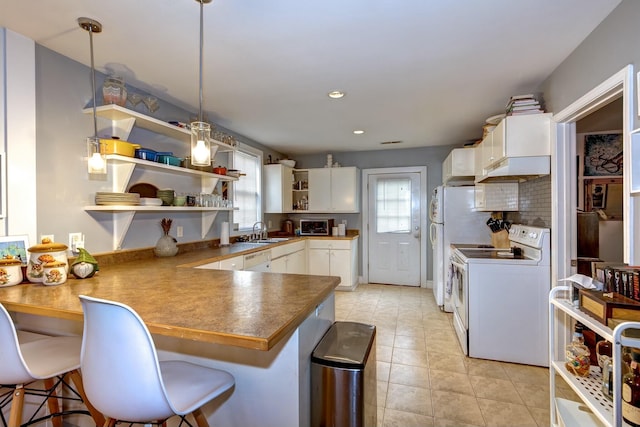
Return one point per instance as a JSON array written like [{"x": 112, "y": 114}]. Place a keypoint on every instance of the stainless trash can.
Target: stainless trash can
[{"x": 343, "y": 377}]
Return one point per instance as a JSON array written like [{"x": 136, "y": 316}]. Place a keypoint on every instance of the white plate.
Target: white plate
[
  {"x": 148, "y": 201},
  {"x": 494, "y": 120}
]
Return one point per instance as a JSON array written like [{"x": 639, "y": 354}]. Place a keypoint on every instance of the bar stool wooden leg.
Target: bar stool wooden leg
[
  {"x": 97, "y": 416},
  {"x": 15, "y": 417},
  {"x": 109, "y": 422},
  {"x": 201, "y": 420}
]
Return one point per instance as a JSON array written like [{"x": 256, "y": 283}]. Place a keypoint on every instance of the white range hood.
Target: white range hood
[{"x": 517, "y": 169}]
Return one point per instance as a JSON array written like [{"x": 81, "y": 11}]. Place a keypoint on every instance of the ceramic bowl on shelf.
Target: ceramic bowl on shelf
[
  {"x": 288, "y": 162},
  {"x": 166, "y": 195}
]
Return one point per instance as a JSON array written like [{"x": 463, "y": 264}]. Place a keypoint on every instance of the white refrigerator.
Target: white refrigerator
[{"x": 453, "y": 220}]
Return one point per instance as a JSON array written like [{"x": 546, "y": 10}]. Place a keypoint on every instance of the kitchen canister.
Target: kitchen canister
[
  {"x": 334, "y": 231},
  {"x": 54, "y": 273},
  {"x": 342, "y": 229},
  {"x": 44, "y": 253},
  {"x": 10, "y": 272},
  {"x": 224, "y": 233}
]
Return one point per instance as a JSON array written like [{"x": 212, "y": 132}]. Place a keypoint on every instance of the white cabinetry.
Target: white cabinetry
[
  {"x": 485, "y": 153},
  {"x": 120, "y": 170},
  {"x": 278, "y": 188},
  {"x": 334, "y": 190},
  {"x": 459, "y": 166},
  {"x": 522, "y": 136},
  {"x": 235, "y": 263},
  {"x": 516, "y": 137},
  {"x": 329, "y": 257},
  {"x": 289, "y": 258},
  {"x": 608, "y": 413}
]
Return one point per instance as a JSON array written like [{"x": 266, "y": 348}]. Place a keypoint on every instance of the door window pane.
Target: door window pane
[{"x": 393, "y": 205}]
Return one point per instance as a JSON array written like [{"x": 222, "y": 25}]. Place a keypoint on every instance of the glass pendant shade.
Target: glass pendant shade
[
  {"x": 200, "y": 144},
  {"x": 96, "y": 157}
]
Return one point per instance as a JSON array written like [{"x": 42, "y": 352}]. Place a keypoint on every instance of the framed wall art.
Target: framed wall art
[
  {"x": 603, "y": 154},
  {"x": 15, "y": 247},
  {"x": 599, "y": 196}
]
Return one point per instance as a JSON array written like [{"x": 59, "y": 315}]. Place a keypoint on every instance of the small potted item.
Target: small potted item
[
  {"x": 54, "y": 273},
  {"x": 167, "y": 245},
  {"x": 85, "y": 265},
  {"x": 44, "y": 253},
  {"x": 10, "y": 272}
]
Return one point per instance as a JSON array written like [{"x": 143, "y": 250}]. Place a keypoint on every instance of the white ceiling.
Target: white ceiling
[{"x": 424, "y": 72}]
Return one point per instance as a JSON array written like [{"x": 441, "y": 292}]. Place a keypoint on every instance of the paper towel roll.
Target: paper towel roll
[
  {"x": 342, "y": 230},
  {"x": 224, "y": 234}
]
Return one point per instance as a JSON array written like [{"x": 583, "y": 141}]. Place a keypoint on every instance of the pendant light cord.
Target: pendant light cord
[
  {"x": 93, "y": 84},
  {"x": 201, "y": 54}
]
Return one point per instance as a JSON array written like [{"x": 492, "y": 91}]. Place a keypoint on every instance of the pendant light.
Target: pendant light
[
  {"x": 96, "y": 158},
  {"x": 201, "y": 131}
]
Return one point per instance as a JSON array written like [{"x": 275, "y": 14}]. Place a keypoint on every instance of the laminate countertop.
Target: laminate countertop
[{"x": 236, "y": 308}]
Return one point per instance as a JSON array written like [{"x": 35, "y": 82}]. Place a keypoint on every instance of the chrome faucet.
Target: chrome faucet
[{"x": 261, "y": 233}]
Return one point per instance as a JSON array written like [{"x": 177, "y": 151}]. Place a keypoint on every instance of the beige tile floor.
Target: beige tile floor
[{"x": 424, "y": 379}]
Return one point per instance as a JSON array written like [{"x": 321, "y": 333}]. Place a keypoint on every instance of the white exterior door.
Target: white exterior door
[{"x": 395, "y": 228}]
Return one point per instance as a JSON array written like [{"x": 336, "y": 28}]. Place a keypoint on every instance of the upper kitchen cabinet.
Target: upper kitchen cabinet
[
  {"x": 519, "y": 146},
  {"x": 278, "y": 188},
  {"x": 334, "y": 190},
  {"x": 459, "y": 167}
]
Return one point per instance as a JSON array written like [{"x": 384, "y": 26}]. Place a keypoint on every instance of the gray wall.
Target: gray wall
[{"x": 608, "y": 49}]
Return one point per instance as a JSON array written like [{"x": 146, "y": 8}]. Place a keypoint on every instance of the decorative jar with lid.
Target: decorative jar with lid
[
  {"x": 54, "y": 273},
  {"x": 114, "y": 91},
  {"x": 10, "y": 272},
  {"x": 44, "y": 253}
]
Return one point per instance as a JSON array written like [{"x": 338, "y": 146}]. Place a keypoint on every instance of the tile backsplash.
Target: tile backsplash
[{"x": 534, "y": 203}]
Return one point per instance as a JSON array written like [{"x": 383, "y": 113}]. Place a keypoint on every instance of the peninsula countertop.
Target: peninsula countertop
[{"x": 237, "y": 308}]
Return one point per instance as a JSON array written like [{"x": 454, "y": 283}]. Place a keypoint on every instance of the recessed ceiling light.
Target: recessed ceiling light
[
  {"x": 358, "y": 132},
  {"x": 336, "y": 94}
]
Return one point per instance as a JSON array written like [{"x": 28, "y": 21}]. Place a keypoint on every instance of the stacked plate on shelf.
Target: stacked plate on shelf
[
  {"x": 150, "y": 201},
  {"x": 117, "y": 199}
]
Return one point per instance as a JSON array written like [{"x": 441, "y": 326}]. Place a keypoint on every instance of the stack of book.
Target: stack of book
[
  {"x": 621, "y": 279},
  {"x": 523, "y": 104}
]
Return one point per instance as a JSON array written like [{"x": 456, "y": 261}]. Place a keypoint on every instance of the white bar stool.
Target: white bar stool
[
  {"x": 124, "y": 379},
  {"x": 51, "y": 360}
]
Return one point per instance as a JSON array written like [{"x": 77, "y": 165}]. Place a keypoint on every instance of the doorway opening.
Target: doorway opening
[
  {"x": 564, "y": 188},
  {"x": 618, "y": 88}
]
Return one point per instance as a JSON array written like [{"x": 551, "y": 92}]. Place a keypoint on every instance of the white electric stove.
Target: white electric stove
[{"x": 500, "y": 297}]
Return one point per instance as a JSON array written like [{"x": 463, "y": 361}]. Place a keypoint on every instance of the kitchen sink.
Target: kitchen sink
[{"x": 273, "y": 240}]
